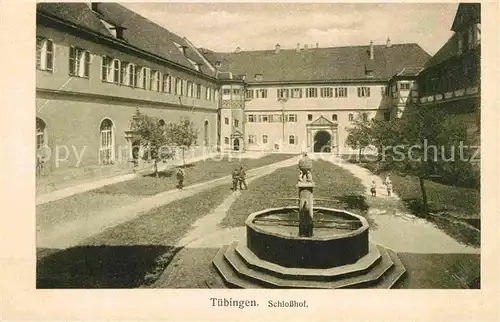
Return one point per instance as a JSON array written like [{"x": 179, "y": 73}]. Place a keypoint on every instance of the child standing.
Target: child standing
[
  {"x": 180, "y": 178},
  {"x": 389, "y": 188},
  {"x": 374, "y": 189}
]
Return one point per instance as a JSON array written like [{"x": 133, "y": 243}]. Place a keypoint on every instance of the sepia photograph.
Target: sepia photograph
[{"x": 257, "y": 145}]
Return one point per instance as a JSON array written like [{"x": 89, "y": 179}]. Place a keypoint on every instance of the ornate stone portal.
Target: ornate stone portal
[{"x": 331, "y": 249}]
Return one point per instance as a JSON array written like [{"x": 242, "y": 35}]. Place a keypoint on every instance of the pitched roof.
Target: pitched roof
[
  {"x": 322, "y": 64},
  {"x": 140, "y": 32}
]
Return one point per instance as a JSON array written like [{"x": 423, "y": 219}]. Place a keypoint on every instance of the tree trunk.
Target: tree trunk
[
  {"x": 156, "y": 169},
  {"x": 183, "y": 158},
  {"x": 359, "y": 154},
  {"x": 424, "y": 195}
]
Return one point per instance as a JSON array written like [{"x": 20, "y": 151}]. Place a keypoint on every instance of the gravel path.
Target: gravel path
[{"x": 394, "y": 227}]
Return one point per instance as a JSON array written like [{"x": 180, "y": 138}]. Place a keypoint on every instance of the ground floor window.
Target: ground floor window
[
  {"x": 106, "y": 148},
  {"x": 41, "y": 142},
  {"x": 292, "y": 139},
  {"x": 264, "y": 139},
  {"x": 251, "y": 139}
]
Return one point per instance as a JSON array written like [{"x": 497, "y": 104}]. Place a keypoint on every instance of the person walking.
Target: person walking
[
  {"x": 236, "y": 178},
  {"x": 180, "y": 178},
  {"x": 389, "y": 188},
  {"x": 373, "y": 189},
  {"x": 242, "y": 179}
]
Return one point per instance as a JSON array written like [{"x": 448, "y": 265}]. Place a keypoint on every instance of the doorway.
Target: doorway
[
  {"x": 236, "y": 145},
  {"x": 323, "y": 142}
]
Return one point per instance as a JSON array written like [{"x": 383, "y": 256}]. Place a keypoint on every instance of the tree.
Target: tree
[
  {"x": 359, "y": 135},
  {"x": 418, "y": 143},
  {"x": 183, "y": 135},
  {"x": 152, "y": 138}
]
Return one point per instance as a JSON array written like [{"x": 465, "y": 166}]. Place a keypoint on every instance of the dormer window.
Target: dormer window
[
  {"x": 258, "y": 77},
  {"x": 181, "y": 48},
  {"x": 218, "y": 64},
  {"x": 195, "y": 64}
]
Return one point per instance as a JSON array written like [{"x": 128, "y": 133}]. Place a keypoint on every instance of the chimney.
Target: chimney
[
  {"x": 388, "y": 43},
  {"x": 317, "y": 45},
  {"x": 277, "y": 49},
  {"x": 298, "y": 48},
  {"x": 237, "y": 50},
  {"x": 371, "y": 50},
  {"x": 93, "y": 6}
]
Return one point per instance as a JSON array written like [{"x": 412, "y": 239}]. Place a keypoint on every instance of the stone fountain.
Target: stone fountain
[{"x": 307, "y": 247}]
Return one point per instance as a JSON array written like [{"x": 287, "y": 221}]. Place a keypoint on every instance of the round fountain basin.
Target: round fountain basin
[{"x": 339, "y": 237}]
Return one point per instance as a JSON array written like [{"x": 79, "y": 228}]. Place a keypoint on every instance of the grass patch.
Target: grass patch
[
  {"x": 331, "y": 182},
  {"x": 441, "y": 271},
  {"x": 127, "y": 192},
  {"x": 197, "y": 172},
  {"x": 129, "y": 255},
  {"x": 462, "y": 202}
]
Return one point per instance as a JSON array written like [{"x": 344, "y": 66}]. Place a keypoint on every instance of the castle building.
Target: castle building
[{"x": 97, "y": 63}]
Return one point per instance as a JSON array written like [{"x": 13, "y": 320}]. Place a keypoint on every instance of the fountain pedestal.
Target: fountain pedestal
[{"x": 306, "y": 203}]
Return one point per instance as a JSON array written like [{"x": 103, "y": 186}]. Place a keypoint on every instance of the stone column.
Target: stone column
[{"x": 305, "y": 208}]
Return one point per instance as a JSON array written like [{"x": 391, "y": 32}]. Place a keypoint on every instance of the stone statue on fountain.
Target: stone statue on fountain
[{"x": 305, "y": 167}]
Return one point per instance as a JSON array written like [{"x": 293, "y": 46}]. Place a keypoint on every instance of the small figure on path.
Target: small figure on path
[
  {"x": 180, "y": 178},
  {"x": 387, "y": 179},
  {"x": 236, "y": 178},
  {"x": 242, "y": 179},
  {"x": 389, "y": 188},
  {"x": 305, "y": 167},
  {"x": 373, "y": 189}
]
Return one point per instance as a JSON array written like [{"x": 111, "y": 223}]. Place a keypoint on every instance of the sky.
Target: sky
[{"x": 260, "y": 26}]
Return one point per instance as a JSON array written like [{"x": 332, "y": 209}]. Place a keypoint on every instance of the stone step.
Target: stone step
[
  {"x": 269, "y": 281},
  {"x": 394, "y": 275},
  {"x": 362, "y": 266},
  {"x": 229, "y": 274}
]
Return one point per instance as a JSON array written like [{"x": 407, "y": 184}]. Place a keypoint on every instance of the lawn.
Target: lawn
[
  {"x": 132, "y": 254},
  {"x": 195, "y": 173},
  {"x": 463, "y": 202},
  {"x": 127, "y": 192},
  {"x": 331, "y": 182}
]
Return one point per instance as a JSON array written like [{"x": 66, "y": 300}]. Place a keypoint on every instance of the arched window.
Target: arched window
[
  {"x": 309, "y": 117},
  {"x": 106, "y": 148},
  {"x": 206, "y": 137},
  {"x": 351, "y": 117},
  {"x": 334, "y": 117},
  {"x": 41, "y": 143}
]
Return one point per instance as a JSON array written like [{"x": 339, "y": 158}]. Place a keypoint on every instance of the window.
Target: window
[
  {"x": 265, "y": 139},
  {"x": 167, "y": 83},
  {"x": 341, "y": 92},
  {"x": 363, "y": 91},
  {"x": 236, "y": 91},
  {"x": 106, "y": 148},
  {"x": 387, "y": 116},
  {"x": 296, "y": 93},
  {"x": 326, "y": 92},
  {"x": 236, "y": 123},
  {"x": 111, "y": 70},
  {"x": 226, "y": 91},
  {"x": 334, "y": 117},
  {"x": 282, "y": 92},
  {"x": 127, "y": 74},
  {"x": 226, "y": 140},
  {"x": 276, "y": 118},
  {"x": 79, "y": 62},
  {"x": 251, "y": 139},
  {"x": 44, "y": 54},
  {"x": 208, "y": 93},
  {"x": 405, "y": 86},
  {"x": 249, "y": 94},
  {"x": 309, "y": 117},
  {"x": 264, "y": 118},
  {"x": 262, "y": 93},
  {"x": 251, "y": 118},
  {"x": 41, "y": 143},
  {"x": 292, "y": 118},
  {"x": 460, "y": 43},
  {"x": 292, "y": 139},
  {"x": 142, "y": 79},
  {"x": 351, "y": 117},
  {"x": 155, "y": 80},
  {"x": 179, "y": 86},
  {"x": 311, "y": 92},
  {"x": 226, "y": 120},
  {"x": 198, "y": 91}
]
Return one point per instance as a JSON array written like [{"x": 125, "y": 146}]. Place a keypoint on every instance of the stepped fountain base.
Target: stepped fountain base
[{"x": 339, "y": 254}]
